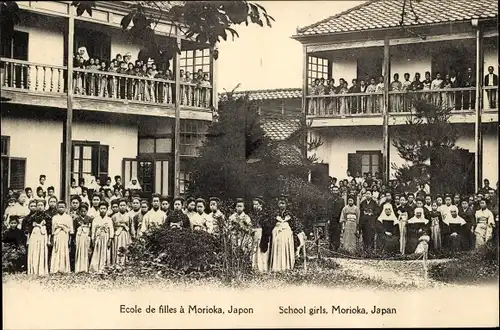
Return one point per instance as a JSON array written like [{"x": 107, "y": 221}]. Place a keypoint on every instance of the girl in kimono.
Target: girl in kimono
[
  {"x": 94, "y": 208},
  {"x": 151, "y": 86},
  {"x": 52, "y": 206},
  {"x": 455, "y": 230},
  {"x": 188, "y": 90},
  {"x": 130, "y": 80},
  {"x": 332, "y": 108},
  {"x": 102, "y": 236},
  {"x": 112, "y": 80},
  {"x": 349, "y": 218},
  {"x": 83, "y": 226},
  {"x": 123, "y": 233},
  {"x": 39, "y": 229},
  {"x": 313, "y": 90},
  {"x": 396, "y": 100},
  {"x": 321, "y": 91},
  {"x": 282, "y": 246},
  {"x": 178, "y": 219},
  {"x": 216, "y": 219},
  {"x": 379, "y": 89},
  {"x": 436, "y": 85},
  {"x": 485, "y": 223},
  {"x": 344, "y": 108},
  {"x": 387, "y": 238},
  {"x": 418, "y": 233},
  {"x": 436, "y": 222},
  {"x": 371, "y": 100},
  {"x": 403, "y": 212},
  {"x": 240, "y": 225},
  {"x": 262, "y": 231},
  {"x": 406, "y": 87},
  {"x": 167, "y": 87},
  {"x": 448, "y": 96},
  {"x": 362, "y": 89},
  {"x": 205, "y": 91},
  {"x": 427, "y": 86},
  {"x": 197, "y": 79},
  {"x": 62, "y": 228}
]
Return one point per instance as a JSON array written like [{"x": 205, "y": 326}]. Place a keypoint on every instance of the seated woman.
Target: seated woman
[
  {"x": 418, "y": 229},
  {"x": 388, "y": 231},
  {"x": 455, "y": 234}
]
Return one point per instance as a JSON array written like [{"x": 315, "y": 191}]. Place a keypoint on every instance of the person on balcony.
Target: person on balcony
[
  {"x": 112, "y": 79},
  {"x": 371, "y": 100},
  {"x": 321, "y": 88},
  {"x": 353, "y": 100},
  {"x": 491, "y": 80},
  {"x": 103, "y": 80},
  {"x": 151, "y": 86},
  {"x": 427, "y": 86},
  {"x": 130, "y": 81},
  {"x": 332, "y": 107},
  {"x": 188, "y": 90},
  {"x": 91, "y": 78},
  {"x": 396, "y": 86},
  {"x": 469, "y": 96},
  {"x": 362, "y": 102},
  {"x": 448, "y": 97},
  {"x": 344, "y": 106},
  {"x": 380, "y": 97},
  {"x": 436, "y": 85},
  {"x": 205, "y": 91}
]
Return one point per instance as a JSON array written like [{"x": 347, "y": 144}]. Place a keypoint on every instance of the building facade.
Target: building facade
[
  {"x": 455, "y": 39},
  {"x": 122, "y": 125}
]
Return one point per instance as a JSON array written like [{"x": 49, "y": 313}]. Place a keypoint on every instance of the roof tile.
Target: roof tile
[
  {"x": 271, "y": 94},
  {"x": 387, "y": 13}
]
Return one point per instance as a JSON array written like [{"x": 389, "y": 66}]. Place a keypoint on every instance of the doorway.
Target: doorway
[{"x": 153, "y": 175}]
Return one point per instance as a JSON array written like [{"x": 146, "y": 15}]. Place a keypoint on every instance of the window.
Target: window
[
  {"x": 193, "y": 60},
  {"x": 17, "y": 47},
  {"x": 17, "y": 177},
  {"x": 184, "y": 182},
  {"x": 5, "y": 145},
  {"x": 151, "y": 145},
  {"x": 316, "y": 68},
  {"x": 192, "y": 135},
  {"x": 98, "y": 44},
  {"x": 89, "y": 159},
  {"x": 364, "y": 161}
]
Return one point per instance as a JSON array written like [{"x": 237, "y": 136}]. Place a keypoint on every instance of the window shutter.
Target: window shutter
[
  {"x": 381, "y": 169},
  {"x": 353, "y": 163},
  {"x": 103, "y": 162},
  {"x": 17, "y": 173},
  {"x": 95, "y": 160}
]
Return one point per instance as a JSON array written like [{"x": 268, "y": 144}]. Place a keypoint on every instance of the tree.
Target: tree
[
  {"x": 427, "y": 144},
  {"x": 207, "y": 22}
]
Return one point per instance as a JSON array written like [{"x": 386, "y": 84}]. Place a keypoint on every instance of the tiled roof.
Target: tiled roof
[
  {"x": 280, "y": 128},
  {"x": 271, "y": 94},
  {"x": 378, "y": 14}
]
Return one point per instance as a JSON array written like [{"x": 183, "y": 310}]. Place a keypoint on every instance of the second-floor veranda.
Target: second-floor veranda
[
  {"x": 330, "y": 104},
  {"x": 34, "y": 70}
]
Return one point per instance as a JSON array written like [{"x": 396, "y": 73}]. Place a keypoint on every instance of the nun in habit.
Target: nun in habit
[
  {"x": 418, "y": 229},
  {"x": 387, "y": 237}
]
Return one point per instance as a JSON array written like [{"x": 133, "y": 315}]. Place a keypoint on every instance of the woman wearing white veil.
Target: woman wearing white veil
[
  {"x": 418, "y": 233},
  {"x": 387, "y": 237}
]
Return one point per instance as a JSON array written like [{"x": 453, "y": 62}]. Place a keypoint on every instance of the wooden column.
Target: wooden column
[
  {"x": 385, "y": 114},
  {"x": 304, "y": 102},
  {"x": 213, "y": 80},
  {"x": 478, "y": 109},
  {"x": 69, "y": 113},
  {"x": 177, "y": 133}
]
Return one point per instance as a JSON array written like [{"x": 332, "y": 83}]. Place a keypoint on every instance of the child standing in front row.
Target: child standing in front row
[{"x": 62, "y": 228}]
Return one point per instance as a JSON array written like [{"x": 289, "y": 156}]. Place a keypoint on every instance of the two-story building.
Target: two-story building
[
  {"x": 456, "y": 39},
  {"x": 126, "y": 129}
]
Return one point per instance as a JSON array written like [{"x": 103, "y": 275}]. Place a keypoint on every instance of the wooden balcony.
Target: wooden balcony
[
  {"x": 45, "y": 85},
  {"x": 366, "y": 109}
]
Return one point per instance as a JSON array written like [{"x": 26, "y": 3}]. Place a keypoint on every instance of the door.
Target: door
[{"x": 153, "y": 175}]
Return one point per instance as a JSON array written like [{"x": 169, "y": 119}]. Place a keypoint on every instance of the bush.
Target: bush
[
  {"x": 474, "y": 266},
  {"x": 13, "y": 258},
  {"x": 184, "y": 251}
]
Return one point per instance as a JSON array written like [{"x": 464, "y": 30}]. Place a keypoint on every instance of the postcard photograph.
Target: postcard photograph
[{"x": 249, "y": 164}]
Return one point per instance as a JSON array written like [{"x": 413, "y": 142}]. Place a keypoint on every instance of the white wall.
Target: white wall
[
  {"x": 344, "y": 68},
  {"x": 338, "y": 142},
  {"x": 39, "y": 141},
  {"x": 120, "y": 44},
  {"x": 409, "y": 62}
]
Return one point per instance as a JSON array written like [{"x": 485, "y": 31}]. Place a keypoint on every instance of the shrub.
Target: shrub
[
  {"x": 184, "y": 251},
  {"x": 13, "y": 258},
  {"x": 474, "y": 266}
]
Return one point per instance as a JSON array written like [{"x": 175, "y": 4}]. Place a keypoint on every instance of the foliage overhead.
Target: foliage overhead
[{"x": 206, "y": 22}]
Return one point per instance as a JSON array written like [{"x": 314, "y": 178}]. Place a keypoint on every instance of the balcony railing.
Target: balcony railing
[
  {"x": 366, "y": 104},
  {"x": 27, "y": 76}
]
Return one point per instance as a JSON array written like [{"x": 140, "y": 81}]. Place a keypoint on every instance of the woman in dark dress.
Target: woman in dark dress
[
  {"x": 418, "y": 229},
  {"x": 455, "y": 234},
  {"x": 388, "y": 231}
]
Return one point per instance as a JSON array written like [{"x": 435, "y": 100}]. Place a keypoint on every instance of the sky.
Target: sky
[{"x": 265, "y": 58}]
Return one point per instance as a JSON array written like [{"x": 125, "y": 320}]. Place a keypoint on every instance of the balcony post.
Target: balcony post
[
  {"x": 386, "y": 142},
  {"x": 213, "y": 72},
  {"x": 66, "y": 182},
  {"x": 304, "y": 102},
  {"x": 478, "y": 109},
  {"x": 177, "y": 134}
]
